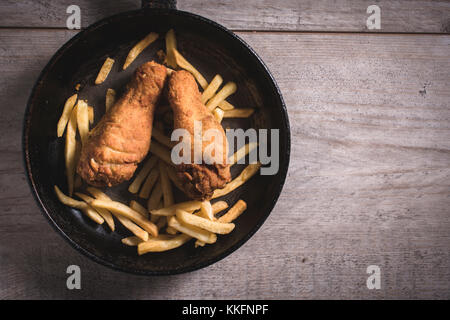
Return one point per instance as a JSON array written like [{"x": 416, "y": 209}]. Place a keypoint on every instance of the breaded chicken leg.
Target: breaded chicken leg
[
  {"x": 199, "y": 180},
  {"x": 122, "y": 137}
]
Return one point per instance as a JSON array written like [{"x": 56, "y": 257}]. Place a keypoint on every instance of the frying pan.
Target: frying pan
[{"x": 208, "y": 46}]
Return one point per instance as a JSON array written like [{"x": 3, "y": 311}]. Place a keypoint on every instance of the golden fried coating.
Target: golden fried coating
[
  {"x": 199, "y": 180},
  {"x": 121, "y": 139}
]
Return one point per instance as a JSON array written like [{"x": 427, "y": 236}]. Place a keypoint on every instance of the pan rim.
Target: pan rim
[{"x": 45, "y": 211}]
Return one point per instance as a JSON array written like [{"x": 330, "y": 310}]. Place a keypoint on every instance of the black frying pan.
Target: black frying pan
[{"x": 208, "y": 46}]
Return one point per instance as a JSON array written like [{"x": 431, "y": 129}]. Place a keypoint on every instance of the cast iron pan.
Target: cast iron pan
[{"x": 208, "y": 46}]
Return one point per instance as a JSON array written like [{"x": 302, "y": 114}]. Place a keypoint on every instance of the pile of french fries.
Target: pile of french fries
[{"x": 163, "y": 224}]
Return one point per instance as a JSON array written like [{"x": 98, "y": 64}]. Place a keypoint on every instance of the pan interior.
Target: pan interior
[{"x": 212, "y": 51}]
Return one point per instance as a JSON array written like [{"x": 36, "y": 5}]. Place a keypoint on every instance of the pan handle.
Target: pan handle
[{"x": 159, "y": 4}]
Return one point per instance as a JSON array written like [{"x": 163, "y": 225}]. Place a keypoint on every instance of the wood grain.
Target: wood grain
[
  {"x": 369, "y": 181},
  {"x": 292, "y": 15}
]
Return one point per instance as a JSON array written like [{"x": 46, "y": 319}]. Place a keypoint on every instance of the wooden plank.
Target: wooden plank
[
  {"x": 311, "y": 15},
  {"x": 368, "y": 181}
]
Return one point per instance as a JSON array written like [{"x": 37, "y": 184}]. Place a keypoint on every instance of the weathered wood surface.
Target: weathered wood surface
[
  {"x": 369, "y": 181},
  {"x": 293, "y": 15}
]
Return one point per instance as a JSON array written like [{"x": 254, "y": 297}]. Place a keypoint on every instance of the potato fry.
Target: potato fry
[
  {"x": 226, "y": 91},
  {"x": 218, "y": 114},
  {"x": 171, "y": 230},
  {"x": 127, "y": 223},
  {"x": 70, "y": 149},
  {"x": 83, "y": 120},
  {"x": 204, "y": 223},
  {"x": 156, "y": 245},
  {"x": 193, "y": 231},
  {"x": 171, "y": 44},
  {"x": 68, "y": 201},
  {"x": 184, "y": 64},
  {"x": 162, "y": 221},
  {"x": 149, "y": 183},
  {"x": 206, "y": 210},
  {"x": 110, "y": 98},
  {"x": 139, "y": 47},
  {"x": 234, "y": 212},
  {"x": 136, "y": 206},
  {"x": 239, "y": 113},
  {"x": 91, "y": 115},
  {"x": 219, "y": 206},
  {"x": 161, "y": 152},
  {"x": 127, "y": 212},
  {"x": 155, "y": 197},
  {"x": 140, "y": 177},
  {"x": 65, "y": 116},
  {"x": 104, "y": 71},
  {"x": 131, "y": 241},
  {"x": 241, "y": 153},
  {"x": 244, "y": 176},
  {"x": 212, "y": 88},
  {"x": 160, "y": 137},
  {"x": 83, "y": 206},
  {"x": 189, "y": 206},
  {"x": 165, "y": 185},
  {"x": 225, "y": 105},
  {"x": 106, "y": 215}
]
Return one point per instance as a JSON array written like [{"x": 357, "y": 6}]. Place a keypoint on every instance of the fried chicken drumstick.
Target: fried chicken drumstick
[
  {"x": 199, "y": 180},
  {"x": 121, "y": 139}
]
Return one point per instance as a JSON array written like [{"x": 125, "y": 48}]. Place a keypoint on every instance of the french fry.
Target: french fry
[
  {"x": 104, "y": 71},
  {"x": 218, "y": 114},
  {"x": 106, "y": 215},
  {"x": 140, "y": 177},
  {"x": 139, "y": 47},
  {"x": 184, "y": 64},
  {"x": 70, "y": 149},
  {"x": 216, "y": 207},
  {"x": 127, "y": 223},
  {"x": 155, "y": 197},
  {"x": 244, "y": 176},
  {"x": 206, "y": 210},
  {"x": 149, "y": 183},
  {"x": 131, "y": 241},
  {"x": 127, "y": 212},
  {"x": 234, "y": 212},
  {"x": 156, "y": 245},
  {"x": 91, "y": 115},
  {"x": 192, "y": 231},
  {"x": 239, "y": 113},
  {"x": 211, "y": 88},
  {"x": 226, "y": 91},
  {"x": 161, "y": 152},
  {"x": 110, "y": 98},
  {"x": 171, "y": 44},
  {"x": 171, "y": 230},
  {"x": 242, "y": 152},
  {"x": 159, "y": 136},
  {"x": 165, "y": 185},
  {"x": 162, "y": 221},
  {"x": 136, "y": 206},
  {"x": 219, "y": 206},
  {"x": 83, "y": 120},
  {"x": 83, "y": 206},
  {"x": 65, "y": 116},
  {"x": 203, "y": 223},
  {"x": 225, "y": 105},
  {"x": 189, "y": 206}
]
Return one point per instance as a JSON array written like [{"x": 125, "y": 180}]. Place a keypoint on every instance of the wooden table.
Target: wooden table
[{"x": 369, "y": 181}]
